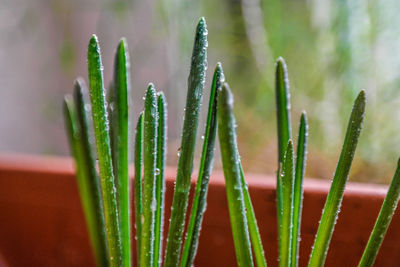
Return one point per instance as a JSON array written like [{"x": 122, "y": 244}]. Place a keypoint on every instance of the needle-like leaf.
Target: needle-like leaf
[
  {"x": 284, "y": 131},
  {"x": 282, "y": 107},
  {"x": 149, "y": 177},
  {"x": 81, "y": 97},
  {"x": 160, "y": 179},
  {"x": 185, "y": 162},
  {"x": 231, "y": 166},
  {"x": 206, "y": 165},
  {"x": 287, "y": 182},
  {"x": 138, "y": 184},
  {"x": 382, "y": 223},
  {"x": 102, "y": 136},
  {"x": 335, "y": 196},
  {"x": 119, "y": 108},
  {"x": 87, "y": 179},
  {"x": 255, "y": 236},
  {"x": 298, "y": 188}
]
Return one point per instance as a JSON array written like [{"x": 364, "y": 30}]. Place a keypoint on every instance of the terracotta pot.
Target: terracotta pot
[{"x": 42, "y": 223}]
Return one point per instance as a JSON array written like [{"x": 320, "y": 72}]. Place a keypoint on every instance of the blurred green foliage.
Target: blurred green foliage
[{"x": 333, "y": 49}]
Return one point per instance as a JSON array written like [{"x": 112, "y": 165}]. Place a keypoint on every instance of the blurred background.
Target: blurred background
[{"x": 333, "y": 49}]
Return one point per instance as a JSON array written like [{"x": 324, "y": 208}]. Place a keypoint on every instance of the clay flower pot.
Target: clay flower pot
[{"x": 42, "y": 223}]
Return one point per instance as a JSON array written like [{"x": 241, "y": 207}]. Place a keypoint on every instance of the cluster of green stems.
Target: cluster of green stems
[
  {"x": 103, "y": 169},
  {"x": 289, "y": 185},
  {"x": 104, "y": 183}
]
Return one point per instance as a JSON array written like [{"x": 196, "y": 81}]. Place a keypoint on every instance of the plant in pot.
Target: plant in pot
[{"x": 104, "y": 183}]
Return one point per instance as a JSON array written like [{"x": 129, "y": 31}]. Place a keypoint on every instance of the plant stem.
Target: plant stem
[
  {"x": 138, "y": 184},
  {"x": 81, "y": 97},
  {"x": 119, "y": 108},
  {"x": 160, "y": 179},
  {"x": 382, "y": 223},
  {"x": 185, "y": 161},
  {"x": 101, "y": 130},
  {"x": 335, "y": 196},
  {"x": 284, "y": 133},
  {"x": 287, "y": 183},
  {"x": 87, "y": 179},
  {"x": 282, "y": 107},
  {"x": 298, "y": 188},
  {"x": 149, "y": 177},
  {"x": 255, "y": 236},
  {"x": 234, "y": 193},
  {"x": 206, "y": 165}
]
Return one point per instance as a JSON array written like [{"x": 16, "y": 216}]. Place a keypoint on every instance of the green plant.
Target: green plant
[
  {"x": 105, "y": 193},
  {"x": 289, "y": 189}
]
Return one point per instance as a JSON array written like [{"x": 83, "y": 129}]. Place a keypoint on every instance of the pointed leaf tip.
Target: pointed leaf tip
[
  {"x": 280, "y": 61},
  {"x": 122, "y": 45},
  {"x": 150, "y": 86},
  {"x": 151, "y": 91},
  {"x": 151, "y": 96},
  {"x": 93, "y": 52},
  {"x": 202, "y": 26},
  {"x": 362, "y": 95},
  {"x": 289, "y": 150},
  {"x": 303, "y": 117},
  {"x": 360, "y": 102},
  {"x": 282, "y": 72},
  {"x": 79, "y": 81},
  {"x": 68, "y": 99},
  {"x": 202, "y": 21},
  {"x": 290, "y": 144},
  {"x": 123, "y": 41},
  {"x": 161, "y": 97},
  {"x": 78, "y": 86},
  {"x": 68, "y": 103},
  {"x": 94, "y": 41},
  {"x": 219, "y": 72},
  {"x": 219, "y": 67}
]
